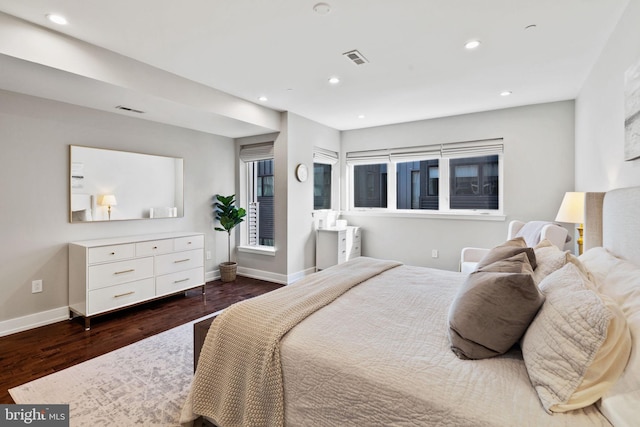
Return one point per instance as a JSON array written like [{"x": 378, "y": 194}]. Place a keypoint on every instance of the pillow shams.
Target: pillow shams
[
  {"x": 578, "y": 344},
  {"x": 493, "y": 308},
  {"x": 620, "y": 280}
]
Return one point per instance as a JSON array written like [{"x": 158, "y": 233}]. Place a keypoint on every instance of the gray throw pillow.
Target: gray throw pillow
[
  {"x": 493, "y": 308},
  {"x": 507, "y": 250}
]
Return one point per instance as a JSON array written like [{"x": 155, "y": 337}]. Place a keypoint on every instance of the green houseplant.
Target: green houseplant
[{"x": 228, "y": 215}]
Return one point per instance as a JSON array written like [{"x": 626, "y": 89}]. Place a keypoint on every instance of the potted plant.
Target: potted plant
[{"x": 229, "y": 216}]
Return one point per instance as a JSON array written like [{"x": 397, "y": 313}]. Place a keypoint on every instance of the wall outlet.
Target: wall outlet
[
  {"x": 434, "y": 253},
  {"x": 36, "y": 286},
  {"x": 208, "y": 254}
]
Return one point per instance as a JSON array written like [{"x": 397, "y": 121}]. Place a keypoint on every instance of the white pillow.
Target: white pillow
[
  {"x": 81, "y": 215},
  {"x": 548, "y": 258},
  {"x": 578, "y": 344},
  {"x": 620, "y": 279}
]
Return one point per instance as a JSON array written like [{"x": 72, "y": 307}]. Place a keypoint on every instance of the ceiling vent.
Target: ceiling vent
[
  {"x": 356, "y": 57},
  {"x": 133, "y": 110}
]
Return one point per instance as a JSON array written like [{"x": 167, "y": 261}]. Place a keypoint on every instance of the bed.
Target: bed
[{"x": 369, "y": 342}]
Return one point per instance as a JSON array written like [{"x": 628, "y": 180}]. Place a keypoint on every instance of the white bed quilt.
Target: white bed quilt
[{"x": 379, "y": 355}]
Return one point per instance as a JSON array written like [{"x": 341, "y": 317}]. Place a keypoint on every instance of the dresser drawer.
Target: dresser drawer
[
  {"x": 175, "y": 282},
  {"x": 154, "y": 247},
  {"x": 111, "y": 253},
  {"x": 117, "y": 296},
  {"x": 113, "y": 273},
  {"x": 179, "y": 261},
  {"x": 190, "y": 242}
]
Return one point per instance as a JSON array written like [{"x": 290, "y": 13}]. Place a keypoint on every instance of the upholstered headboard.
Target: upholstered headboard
[{"x": 613, "y": 221}]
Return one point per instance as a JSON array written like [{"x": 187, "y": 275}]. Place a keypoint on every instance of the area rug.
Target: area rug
[{"x": 145, "y": 383}]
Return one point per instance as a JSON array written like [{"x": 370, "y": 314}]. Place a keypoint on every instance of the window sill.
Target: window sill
[
  {"x": 260, "y": 250},
  {"x": 473, "y": 216}
]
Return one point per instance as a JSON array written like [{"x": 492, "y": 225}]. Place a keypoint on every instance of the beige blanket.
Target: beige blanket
[{"x": 239, "y": 377}]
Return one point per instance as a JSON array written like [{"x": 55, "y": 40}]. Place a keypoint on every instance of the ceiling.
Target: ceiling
[{"x": 540, "y": 50}]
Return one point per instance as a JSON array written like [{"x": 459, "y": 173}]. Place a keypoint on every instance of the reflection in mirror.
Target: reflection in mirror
[{"x": 110, "y": 185}]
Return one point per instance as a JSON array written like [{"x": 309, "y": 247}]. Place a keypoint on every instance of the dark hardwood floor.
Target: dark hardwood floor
[{"x": 28, "y": 355}]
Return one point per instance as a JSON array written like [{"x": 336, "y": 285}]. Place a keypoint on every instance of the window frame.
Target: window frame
[
  {"x": 443, "y": 153},
  {"x": 249, "y": 154},
  {"x": 332, "y": 158}
]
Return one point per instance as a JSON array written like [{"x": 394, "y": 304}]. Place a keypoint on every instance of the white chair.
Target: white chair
[{"x": 533, "y": 233}]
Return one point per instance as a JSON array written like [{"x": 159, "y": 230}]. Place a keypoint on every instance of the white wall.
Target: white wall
[
  {"x": 538, "y": 169},
  {"x": 600, "y": 164},
  {"x": 35, "y": 135},
  {"x": 304, "y": 135}
]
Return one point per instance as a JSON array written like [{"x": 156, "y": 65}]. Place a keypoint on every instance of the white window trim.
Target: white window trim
[
  {"x": 251, "y": 153},
  {"x": 258, "y": 249},
  {"x": 328, "y": 157},
  {"x": 391, "y": 157}
]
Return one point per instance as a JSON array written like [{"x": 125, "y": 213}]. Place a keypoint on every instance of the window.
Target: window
[
  {"x": 410, "y": 178},
  {"x": 370, "y": 186},
  {"x": 263, "y": 172},
  {"x": 321, "y": 186},
  {"x": 258, "y": 196},
  {"x": 325, "y": 183},
  {"x": 474, "y": 183},
  {"x": 417, "y": 185}
]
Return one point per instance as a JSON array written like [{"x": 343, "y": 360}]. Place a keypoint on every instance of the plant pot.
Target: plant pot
[{"x": 228, "y": 271}]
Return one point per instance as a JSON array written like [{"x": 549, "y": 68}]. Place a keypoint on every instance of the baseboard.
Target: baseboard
[
  {"x": 19, "y": 324},
  {"x": 283, "y": 279},
  {"x": 210, "y": 276}
]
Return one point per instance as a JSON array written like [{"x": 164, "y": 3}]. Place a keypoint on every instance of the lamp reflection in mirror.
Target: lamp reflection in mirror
[
  {"x": 572, "y": 211},
  {"x": 108, "y": 200}
]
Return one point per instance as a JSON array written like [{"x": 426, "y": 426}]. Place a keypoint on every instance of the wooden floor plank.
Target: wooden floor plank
[{"x": 28, "y": 355}]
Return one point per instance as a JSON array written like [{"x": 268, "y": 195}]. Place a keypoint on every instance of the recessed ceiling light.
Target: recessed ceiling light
[
  {"x": 57, "y": 19},
  {"x": 472, "y": 44},
  {"x": 505, "y": 93},
  {"x": 322, "y": 9},
  {"x": 263, "y": 99},
  {"x": 361, "y": 116},
  {"x": 334, "y": 80}
]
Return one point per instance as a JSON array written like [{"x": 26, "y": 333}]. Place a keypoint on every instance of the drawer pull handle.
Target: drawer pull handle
[
  {"x": 155, "y": 247},
  {"x": 182, "y": 260},
  {"x": 125, "y": 294},
  {"x": 131, "y": 270},
  {"x": 183, "y": 280},
  {"x": 112, "y": 253}
]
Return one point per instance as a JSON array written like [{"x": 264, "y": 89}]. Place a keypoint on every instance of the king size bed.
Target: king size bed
[{"x": 370, "y": 342}]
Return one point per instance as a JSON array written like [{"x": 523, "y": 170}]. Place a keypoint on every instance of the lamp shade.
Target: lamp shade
[
  {"x": 572, "y": 208},
  {"x": 108, "y": 200}
]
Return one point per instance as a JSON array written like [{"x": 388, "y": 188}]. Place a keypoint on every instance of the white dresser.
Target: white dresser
[
  {"x": 109, "y": 274},
  {"x": 337, "y": 245}
]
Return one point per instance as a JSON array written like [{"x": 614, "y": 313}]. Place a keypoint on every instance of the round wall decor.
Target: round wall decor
[{"x": 301, "y": 172}]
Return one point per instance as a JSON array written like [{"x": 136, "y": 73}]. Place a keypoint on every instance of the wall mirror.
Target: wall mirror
[{"x": 111, "y": 185}]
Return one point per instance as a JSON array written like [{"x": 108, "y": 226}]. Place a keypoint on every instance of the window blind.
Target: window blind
[
  {"x": 322, "y": 155},
  {"x": 453, "y": 149},
  {"x": 256, "y": 152}
]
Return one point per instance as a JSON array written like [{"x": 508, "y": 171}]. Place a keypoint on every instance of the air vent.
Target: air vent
[
  {"x": 356, "y": 57},
  {"x": 133, "y": 110}
]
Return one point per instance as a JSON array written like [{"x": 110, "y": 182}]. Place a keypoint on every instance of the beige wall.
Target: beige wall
[
  {"x": 35, "y": 135},
  {"x": 600, "y": 164}
]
